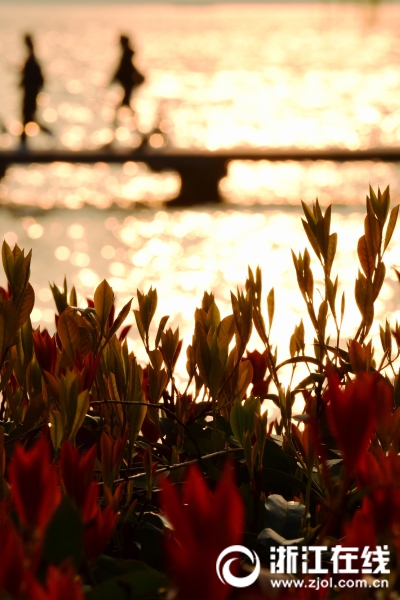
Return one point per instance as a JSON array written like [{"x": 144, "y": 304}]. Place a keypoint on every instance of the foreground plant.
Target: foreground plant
[
  {"x": 89, "y": 437},
  {"x": 203, "y": 525}
]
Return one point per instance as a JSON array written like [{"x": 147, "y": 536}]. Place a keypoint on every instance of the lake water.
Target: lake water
[{"x": 220, "y": 76}]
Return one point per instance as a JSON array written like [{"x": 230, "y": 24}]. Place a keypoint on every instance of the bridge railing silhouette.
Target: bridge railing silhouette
[{"x": 200, "y": 171}]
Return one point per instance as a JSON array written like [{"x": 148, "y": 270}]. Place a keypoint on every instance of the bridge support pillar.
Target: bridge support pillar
[
  {"x": 200, "y": 182},
  {"x": 3, "y": 168}
]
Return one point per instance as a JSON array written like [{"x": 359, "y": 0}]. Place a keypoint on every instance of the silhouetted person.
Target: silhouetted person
[
  {"x": 32, "y": 82},
  {"x": 127, "y": 74}
]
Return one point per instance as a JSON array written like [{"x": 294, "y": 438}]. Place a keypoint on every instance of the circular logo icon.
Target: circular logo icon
[{"x": 226, "y": 575}]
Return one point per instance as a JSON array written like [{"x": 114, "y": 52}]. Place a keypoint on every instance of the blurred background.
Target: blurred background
[{"x": 217, "y": 76}]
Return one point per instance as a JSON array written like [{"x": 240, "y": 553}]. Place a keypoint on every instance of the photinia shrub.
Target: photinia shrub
[{"x": 114, "y": 483}]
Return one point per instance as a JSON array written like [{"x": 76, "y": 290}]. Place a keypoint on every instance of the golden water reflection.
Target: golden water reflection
[
  {"x": 219, "y": 76},
  {"x": 184, "y": 253},
  {"x": 62, "y": 185}
]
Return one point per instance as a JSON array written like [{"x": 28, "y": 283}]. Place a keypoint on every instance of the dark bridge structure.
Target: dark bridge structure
[{"x": 200, "y": 171}]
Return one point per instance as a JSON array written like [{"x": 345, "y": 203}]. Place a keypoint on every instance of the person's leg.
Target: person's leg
[
  {"x": 44, "y": 128},
  {"x": 25, "y": 118},
  {"x": 28, "y": 113},
  {"x": 126, "y": 100}
]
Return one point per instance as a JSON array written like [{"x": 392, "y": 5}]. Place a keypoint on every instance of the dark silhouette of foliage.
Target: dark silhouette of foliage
[{"x": 93, "y": 444}]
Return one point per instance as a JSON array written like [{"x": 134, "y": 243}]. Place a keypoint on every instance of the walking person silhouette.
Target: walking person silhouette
[
  {"x": 32, "y": 81},
  {"x": 127, "y": 74}
]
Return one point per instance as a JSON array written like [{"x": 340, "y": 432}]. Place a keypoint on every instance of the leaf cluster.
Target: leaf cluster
[{"x": 84, "y": 386}]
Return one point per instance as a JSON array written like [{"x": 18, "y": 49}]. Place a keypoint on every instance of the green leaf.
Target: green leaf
[
  {"x": 147, "y": 308},
  {"x": 60, "y": 298},
  {"x": 69, "y": 334},
  {"x": 299, "y": 359},
  {"x": 17, "y": 269},
  {"x": 317, "y": 211},
  {"x": 8, "y": 325},
  {"x": 169, "y": 345},
  {"x": 331, "y": 293},
  {"x": 207, "y": 439},
  {"x": 292, "y": 345},
  {"x": 327, "y": 221},
  {"x": 275, "y": 458},
  {"x": 142, "y": 583},
  {"x": 235, "y": 310},
  {"x": 385, "y": 203},
  {"x": 284, "y": 517},
  {"x": 373, "y": 235},
  {"x": 391, "y": 226},
  {"x": 56, "y": 428},
  {"x": 309, "y": 215},
  {"x": 311, "y": 238},
  {"x": 242, "y": 417},
  {"x": 226, "y": 330},
  {"x": 378, "y": 280},
  {"x": 81, "y": 410},
  {"x": 322, "y": 317},
  {"x": 365, "y": 257},
  {"x": 203, "y": 357},
  {"x": 320, "y": 235},
  {"x": 238, "y": 421},
  {"x": 27, "y": 340},
  {"x": 136, "y": 416},
  {"x": 26, "y": 305},
  {"x": 373, "y": 202},
  {"x": 34, "y": 412},
  {"x": 342, "y": 308},
  {"x": 151, "y": 540},
  {"x": 160, "y": 329},
  {"x": 73, "y": 301},
  {"x": 8, "y": 262},
  {"x": 64, "y": 536},
  {"x": 311, "y": 379},
  {"x": 271, "y": 306},
  {"x": 123, "y": 313},
  {"x": 157, "y": 381},
  {"x": 103, "y": 301},
  {"x": 359, "y": 292},
  {"x": 213, "y": 317},
  {"x": 332, "y": 245},
  {"x": 216, "y": 370},
  {"x": 113, "y": 387},
  {"x": 139, "y": 324},
  {"x": 245, "y": 376}
]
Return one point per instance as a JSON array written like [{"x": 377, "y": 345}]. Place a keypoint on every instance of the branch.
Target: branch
[
  {"x": 181, "y": 465},
  {"x": 156, "y": 406},
  {"x": 23, "y": 435}
]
